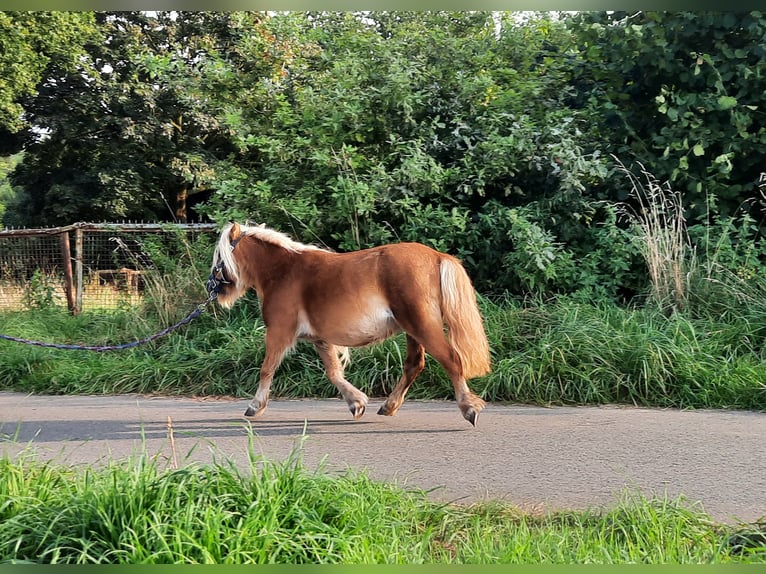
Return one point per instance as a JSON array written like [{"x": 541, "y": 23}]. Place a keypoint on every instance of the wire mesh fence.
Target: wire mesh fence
[{"x": 85, "y": 266}]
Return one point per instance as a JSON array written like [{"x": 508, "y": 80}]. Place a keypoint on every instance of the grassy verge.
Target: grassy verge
[
  {"x": 133, "y": 512},
  {"x": 556, "y": 352}
]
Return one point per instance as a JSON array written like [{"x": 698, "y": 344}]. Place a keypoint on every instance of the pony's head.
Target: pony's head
[
  {"x": 234, "y": 268},
  {"x": 224, "y": 271}
]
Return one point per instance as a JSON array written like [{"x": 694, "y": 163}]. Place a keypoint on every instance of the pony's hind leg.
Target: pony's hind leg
[
  {"x": 277, "y": 344},
  {"x": 356, "y": 399},
  {"x": 429, "y": 333},
  {"x": 413, "y": 365}
]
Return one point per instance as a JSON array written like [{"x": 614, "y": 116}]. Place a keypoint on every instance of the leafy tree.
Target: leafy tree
[
  {"x": 29, "y": 43},
  {"x": 430, "y": 126},
  {"x": 7, "y": 194},
  {"x": 682, "y": 92},
  {"x": 459, "y": 129},
  {"x": 123, "y": 136}
]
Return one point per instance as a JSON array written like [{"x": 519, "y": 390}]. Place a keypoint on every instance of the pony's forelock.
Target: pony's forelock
[{"x": 223, "y": 254}]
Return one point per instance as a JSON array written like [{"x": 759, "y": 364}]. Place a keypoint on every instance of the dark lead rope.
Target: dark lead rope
[{"x": 213, "y": 286}]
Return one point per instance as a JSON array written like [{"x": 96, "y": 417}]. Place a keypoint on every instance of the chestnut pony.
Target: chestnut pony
[{"x": 341, "y": 300}]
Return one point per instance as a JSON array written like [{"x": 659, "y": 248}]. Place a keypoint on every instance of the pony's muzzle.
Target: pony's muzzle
[{"x": 216, "y": 281}]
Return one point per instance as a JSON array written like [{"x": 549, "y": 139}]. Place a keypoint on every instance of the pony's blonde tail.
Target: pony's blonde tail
[
  {"x": 464, "y": 323},
  {"x": 344, "y": 356}
]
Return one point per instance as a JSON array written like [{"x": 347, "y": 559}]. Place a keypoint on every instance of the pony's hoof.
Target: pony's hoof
[
  {"x": 471, "y": 409},
  {"x": 357, "y": 411},
  {"x": 388, "y": 410},
  {"x": 253, "y": 412},
  {"x": 472, "y": 416},
  {"x": 357, "y": 405}
]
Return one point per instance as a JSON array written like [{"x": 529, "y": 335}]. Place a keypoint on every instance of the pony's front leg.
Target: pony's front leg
[
  {"x": 277, "y": 345},
  {"x": 356, "y": 399}
]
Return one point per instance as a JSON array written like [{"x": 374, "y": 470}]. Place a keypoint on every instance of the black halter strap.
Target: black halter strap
[{"x": 216, "y": 281}]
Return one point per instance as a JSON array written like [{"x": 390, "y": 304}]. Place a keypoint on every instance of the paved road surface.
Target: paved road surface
[{"x": 536, "y": 458}]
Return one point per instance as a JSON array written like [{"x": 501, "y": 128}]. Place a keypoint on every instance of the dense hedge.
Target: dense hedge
[{"x": 494, "y": 138}]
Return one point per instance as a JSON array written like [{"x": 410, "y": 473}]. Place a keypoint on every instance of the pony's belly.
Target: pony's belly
[
  {"x": 352, "y": 330},
  {"x": 366, "y": 333}
]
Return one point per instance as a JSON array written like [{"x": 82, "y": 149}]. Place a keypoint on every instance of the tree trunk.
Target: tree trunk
[{"x": 181, "y": 195}]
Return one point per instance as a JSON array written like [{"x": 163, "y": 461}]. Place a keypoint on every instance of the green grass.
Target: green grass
[
  {"x": 574, "y": 353},
  {"x": 554, "y": 352},
  {"x": 134, "y": 512}
]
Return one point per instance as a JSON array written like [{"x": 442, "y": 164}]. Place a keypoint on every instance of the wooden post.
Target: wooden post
[
  {"x": 66, "y": 257},
  {"x": 78, "y": 268}
]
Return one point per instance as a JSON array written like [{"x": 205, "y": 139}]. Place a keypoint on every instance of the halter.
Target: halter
[{"x": 215, "y": 281}]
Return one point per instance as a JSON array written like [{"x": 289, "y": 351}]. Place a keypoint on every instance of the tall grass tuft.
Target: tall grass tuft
[
  {"x": 176, "y": 281},
  {"x": 662, "y": 238},
  {"x": 567, "y": 352}
]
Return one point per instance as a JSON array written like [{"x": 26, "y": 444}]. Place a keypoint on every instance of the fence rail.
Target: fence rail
[{"x": 83, "y": 264}]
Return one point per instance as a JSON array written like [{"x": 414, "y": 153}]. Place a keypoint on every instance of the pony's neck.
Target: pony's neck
[{"x": 261, "y": 262}]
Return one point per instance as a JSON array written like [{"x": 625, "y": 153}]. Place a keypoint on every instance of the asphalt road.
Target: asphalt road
[{"x": 536, "y": 458}]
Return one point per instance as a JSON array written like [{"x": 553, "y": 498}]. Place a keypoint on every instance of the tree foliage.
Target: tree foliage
[
  {"x": 683, "y": 93},
  {"x": 122, "y": 136},
  {"x": 30, "y": 42},
  {"x": 409, "y": 126},
  {"x": 477, "y": 133}
]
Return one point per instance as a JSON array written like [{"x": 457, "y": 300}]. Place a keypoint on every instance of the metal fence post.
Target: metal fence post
[
  {"x": 78, "y": 269},
  {"x": 66, "y": 260}
]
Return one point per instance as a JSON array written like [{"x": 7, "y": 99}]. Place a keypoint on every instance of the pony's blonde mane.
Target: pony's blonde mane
[
  {"x": 276, "y": 238},
  {"x": 223, "y": 251}
]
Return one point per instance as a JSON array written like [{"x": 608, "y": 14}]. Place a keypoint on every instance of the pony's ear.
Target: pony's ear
[{"x": 234, "y": 232}]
